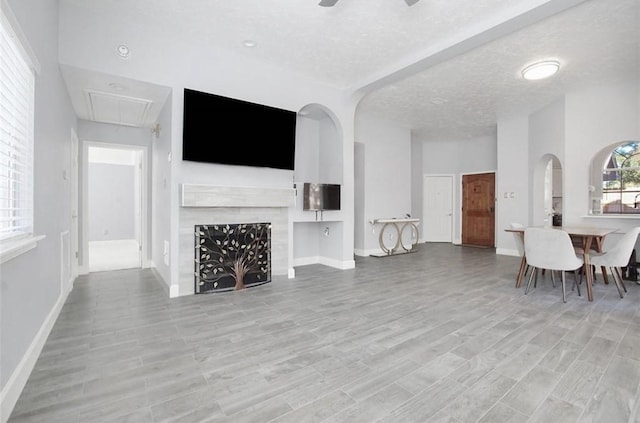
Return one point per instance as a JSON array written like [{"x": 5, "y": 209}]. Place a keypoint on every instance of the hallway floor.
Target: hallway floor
[{"x": 114, "y": 255}]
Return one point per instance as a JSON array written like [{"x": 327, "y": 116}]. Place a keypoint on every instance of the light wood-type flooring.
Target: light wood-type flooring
[{"x": 438, "y": 335}]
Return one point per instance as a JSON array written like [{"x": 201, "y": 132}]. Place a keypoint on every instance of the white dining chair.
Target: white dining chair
[
  {"x": 551, "y": 249},
  {"x": 616, "y": 257}
]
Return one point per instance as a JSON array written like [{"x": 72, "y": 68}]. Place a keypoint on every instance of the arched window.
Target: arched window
[{"x": 621, "y": 180}]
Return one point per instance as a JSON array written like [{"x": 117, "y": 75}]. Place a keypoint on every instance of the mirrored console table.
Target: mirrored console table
[{"x": 397, "y": 235}]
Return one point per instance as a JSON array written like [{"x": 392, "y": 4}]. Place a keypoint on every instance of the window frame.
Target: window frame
[
  {"x": 618, "y": 171},
  {"x": 18, "y": 240}
]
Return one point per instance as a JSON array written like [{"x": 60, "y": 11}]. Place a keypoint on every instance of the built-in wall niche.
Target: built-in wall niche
[
  {"x": 318, "y": 147},
  {"x": 319, "y": 158},
  {"x": 319, "y": 162}
]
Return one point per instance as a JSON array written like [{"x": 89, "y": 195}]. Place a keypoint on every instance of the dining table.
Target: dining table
[{"x": 589, "y": 237}]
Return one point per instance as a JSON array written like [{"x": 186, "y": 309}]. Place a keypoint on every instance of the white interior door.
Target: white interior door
[{"x": 437, "y": 206}]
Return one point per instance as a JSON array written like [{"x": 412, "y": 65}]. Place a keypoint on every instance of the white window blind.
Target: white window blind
[{"x": 16, "y": 136}]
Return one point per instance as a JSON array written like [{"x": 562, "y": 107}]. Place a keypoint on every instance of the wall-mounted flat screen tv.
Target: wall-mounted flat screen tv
[
  {"x": 321, "y": 196},
  {"x": 225, "y": 130}
]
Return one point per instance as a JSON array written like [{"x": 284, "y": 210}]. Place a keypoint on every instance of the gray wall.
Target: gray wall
[
  {"x": 111, "y": 202},
  {"x": 31, "y": 285}
]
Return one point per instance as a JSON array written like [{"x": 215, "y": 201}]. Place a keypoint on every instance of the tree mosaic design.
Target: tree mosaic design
[{"x": 232, "y": 257}]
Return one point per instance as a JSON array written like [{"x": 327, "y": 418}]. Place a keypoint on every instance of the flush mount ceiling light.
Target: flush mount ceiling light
[
  {"x": 540, "y": 70},
  {"x": 123, "y": 51}
]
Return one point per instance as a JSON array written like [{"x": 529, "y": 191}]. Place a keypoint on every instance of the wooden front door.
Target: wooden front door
[{"x": 478, "y": 210}]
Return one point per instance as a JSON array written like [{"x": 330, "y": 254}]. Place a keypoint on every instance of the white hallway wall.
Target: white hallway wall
[
  {"x": 31, "y": 292},
  {"x": 111, "y": 202}
]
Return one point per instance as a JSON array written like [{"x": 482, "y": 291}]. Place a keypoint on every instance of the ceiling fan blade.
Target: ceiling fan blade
[
  {"x": 411, "y": 2},
  {"x": 327, "y": 3}
]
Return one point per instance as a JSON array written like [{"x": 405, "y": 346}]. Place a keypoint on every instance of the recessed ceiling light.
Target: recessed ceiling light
[
  {"x": 249, "y": 43},
  {"x": 540, "y": 70},
  {"x": 123, "y": 51}
]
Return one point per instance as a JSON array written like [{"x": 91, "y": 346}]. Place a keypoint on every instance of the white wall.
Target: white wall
[
  {"x": 161, "y": 194},
  {"x": 417, "y": 179},
  {"x": 596, "y": 118},
  {"x": 387, "y": 175},
  {"x": 546, "y": 139},
  {"x": 459, "y": 157},
  {"x": 30, "y": 284},
  {"x": 361, "y": 225},
  {"x": 329, "y": 157},
  {"x": 512, "y": 177},
  {"x": 307, "y": 161},
  {"x": 111, "y": 202}
]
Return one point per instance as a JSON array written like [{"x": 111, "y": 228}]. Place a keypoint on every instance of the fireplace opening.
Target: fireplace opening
[{"x": 232, "y": 256}]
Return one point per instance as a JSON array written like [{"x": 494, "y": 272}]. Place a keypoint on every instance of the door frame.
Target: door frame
[
  {"x": 460, "y": 199},
  {"x": 75, "y": 206},
  {"x": 424, "y": 221},
  {"x": 143, "y": 230}
]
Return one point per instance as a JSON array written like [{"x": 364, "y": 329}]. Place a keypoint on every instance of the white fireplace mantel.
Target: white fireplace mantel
[{"x": 192, "y": 195}]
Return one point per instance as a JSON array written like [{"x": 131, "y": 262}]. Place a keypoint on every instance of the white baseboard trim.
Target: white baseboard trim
[
  {"x": 14, "y": 386},
  {"x": 366, "y": 253},
  {"x": 160, "y": 279},
  {"x": 337, "y": 264},
  {"x": 507, "y": 252},
  {"x": 291, "y": 273},
  {"x": 83, "y": 270},
  {"x": 174, "y": 291},
  {"x": 305, "y": 261}
]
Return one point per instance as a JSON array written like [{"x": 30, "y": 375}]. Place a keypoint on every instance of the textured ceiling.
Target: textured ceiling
[{"x": 446, "y": 69}]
